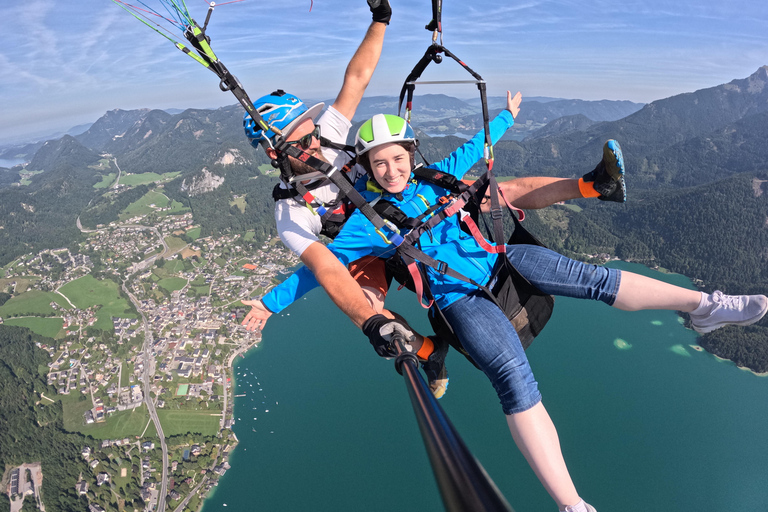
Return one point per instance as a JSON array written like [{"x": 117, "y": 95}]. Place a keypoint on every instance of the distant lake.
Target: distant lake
[
  {"x": 646, "y": 422},
  {"x": 457, "y": 134},
  {"x": 4, "y": 162}
]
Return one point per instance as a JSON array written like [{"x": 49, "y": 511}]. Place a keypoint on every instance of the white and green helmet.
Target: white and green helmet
[{"x": 382, "y": 129}]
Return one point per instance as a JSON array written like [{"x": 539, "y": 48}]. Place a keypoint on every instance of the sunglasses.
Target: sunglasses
[{"x": 306, "y": 141}]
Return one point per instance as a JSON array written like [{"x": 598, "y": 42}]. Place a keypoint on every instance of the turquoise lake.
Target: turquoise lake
[{"x": 646, "y": 422}]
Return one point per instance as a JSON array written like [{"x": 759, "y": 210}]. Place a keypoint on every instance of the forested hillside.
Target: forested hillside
[
  {"x": 43, "y": 214},
  {"x": 31, "y": 431},
  {"x": 667, "y": 137}
]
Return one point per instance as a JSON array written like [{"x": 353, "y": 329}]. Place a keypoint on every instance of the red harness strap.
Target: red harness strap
[{"x": 482, "y": 242}]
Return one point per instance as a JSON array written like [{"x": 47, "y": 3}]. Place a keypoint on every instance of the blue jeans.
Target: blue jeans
[{"x": 490, "y": 339}]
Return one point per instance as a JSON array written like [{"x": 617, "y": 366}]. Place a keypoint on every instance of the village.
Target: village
[{"x": 171, "y": 334}]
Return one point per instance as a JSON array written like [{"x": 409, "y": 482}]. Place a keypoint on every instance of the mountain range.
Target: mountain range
[{"x": 683, "y": 154}]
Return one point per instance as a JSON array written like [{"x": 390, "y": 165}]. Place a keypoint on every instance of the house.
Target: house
[
  {"x": 82, "y": 487},
  {"x": 102, "y": 478}
]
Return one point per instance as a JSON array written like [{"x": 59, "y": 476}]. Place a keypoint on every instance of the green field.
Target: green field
[
  {"x": 200, "y": 291},
  {"x": 173, "y": 266},
  {"x": 146, "y": 178},
  {"x": 26, "y": 177},
  {"x": 88, "y": 291},
  {"x": 50, "y": 327},
  {"x": 194, "y": 233},
  {"x": 175, "y": 243},
  {"x": 176, "y": 422},
  {"x": 268, "y": 170},
  {"x": 106, "y": 181},
  {"x": 33, "y": 302},
  {"x": 240, "y": 203},
  {"x": 171, "y": 284},
  {"x": 22, "y": 283},
  {"x": 141, "y": 206},
  {"x": 117, "y": 426},
  {"x": 177, "y": 207}
]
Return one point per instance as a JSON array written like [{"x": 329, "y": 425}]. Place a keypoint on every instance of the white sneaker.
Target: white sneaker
[
  {"x": 730, "y": 309},
  {"x": 581, "y": 506}
]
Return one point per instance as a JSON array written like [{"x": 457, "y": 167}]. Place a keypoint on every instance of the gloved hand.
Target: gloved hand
[
  {"x": 380, "y": 331},
  {"x": 381, "y": 10}
]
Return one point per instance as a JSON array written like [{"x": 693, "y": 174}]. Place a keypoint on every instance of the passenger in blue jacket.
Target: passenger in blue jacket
[{"x": 386, "y": 145}]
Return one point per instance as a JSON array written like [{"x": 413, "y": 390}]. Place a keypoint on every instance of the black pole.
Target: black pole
[{"x": 464, "y": 485}]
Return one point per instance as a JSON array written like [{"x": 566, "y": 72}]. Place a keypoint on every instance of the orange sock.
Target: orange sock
[
  {"x": 427, "y": 347},
  {"x": 587, "y": 188}
]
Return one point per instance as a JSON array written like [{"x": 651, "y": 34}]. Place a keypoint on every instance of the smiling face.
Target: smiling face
[{"x": 391, "y": 166}]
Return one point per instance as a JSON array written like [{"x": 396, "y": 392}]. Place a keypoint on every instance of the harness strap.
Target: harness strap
[
  {"x": 441, "y": 179},
  {"x": 410, "y": 254},
  {"x": 418, "y": 284},
  {"x": 279, "y": 192},
  {"x": 345, "y": 187},
  {"x": 201, "y": 43},
  {"x": 473, "y": 229},
  {"x": 436, "y": 24},
  {"x": 337, "y": 145},
  {"x": 409, "y": 86},
  {"x": 458, "y": 203}
]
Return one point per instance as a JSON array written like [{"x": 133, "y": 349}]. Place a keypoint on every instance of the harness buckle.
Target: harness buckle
[
  {"x": 497, "y": 213},
  {"x": 442, "y": 267}
]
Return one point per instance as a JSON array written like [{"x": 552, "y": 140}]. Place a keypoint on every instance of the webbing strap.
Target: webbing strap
[
  {"x": 433, "y": 55},
  {"x": 482, "y": 242},
  {"x": 410, "y": 255},
  {"x": 418, "y": 284},
  {"x": 197, "y": 38},
  {"x": 437, "y": 13},
  {"x": 411, "y": 252},
  {"x": 340, "y": 180},
  {"x": 520, "y": 213},
  {"x": 459, "y": 202}
]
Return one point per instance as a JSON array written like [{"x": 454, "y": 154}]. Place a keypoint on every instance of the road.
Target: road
[
  {"x": 194, "y": 491},
  {"x": 149, "y": 372},
  {"x": 119, "y": 172}
]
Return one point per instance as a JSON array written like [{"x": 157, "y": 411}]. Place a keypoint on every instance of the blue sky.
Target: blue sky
[{"x": 63, "y": 63}]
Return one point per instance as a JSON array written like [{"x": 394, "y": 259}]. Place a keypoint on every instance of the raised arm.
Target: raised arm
[
  {"x": 363, "y": 63},
  {"x": 461, "y": 160}
]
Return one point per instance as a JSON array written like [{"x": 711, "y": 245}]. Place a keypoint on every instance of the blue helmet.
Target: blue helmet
[{"x": 280, "y": 110}]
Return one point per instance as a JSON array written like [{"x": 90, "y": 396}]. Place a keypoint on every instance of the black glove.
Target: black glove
[
  {"x": 381, "y": 10},
  {"x": 380, "y": 331}
]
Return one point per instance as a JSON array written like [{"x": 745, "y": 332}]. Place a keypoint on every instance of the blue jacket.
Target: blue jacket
[{"x": 447, "y": 242}]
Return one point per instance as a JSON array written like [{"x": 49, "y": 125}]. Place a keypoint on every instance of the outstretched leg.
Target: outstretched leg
[
  {"x": 556, "y": 274},
  {"x": 638, "y": 292},
  {"x": 536, "y": 438},
  {"x": 605, "y": 182},
  {"x": 494, "y": 346}
]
